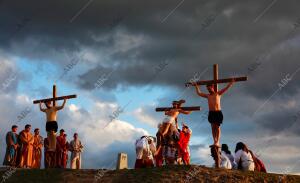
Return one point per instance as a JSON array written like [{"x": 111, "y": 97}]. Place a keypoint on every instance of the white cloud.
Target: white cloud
[
  {"x": 89, "y": 124},
  {"x": 144, "y": 117},
  {"x": 203, "y": 154},
  {"x": 95, "y": 129}
]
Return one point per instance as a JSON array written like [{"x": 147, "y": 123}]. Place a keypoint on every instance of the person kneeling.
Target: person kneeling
[
  {"x": 145, "y": 150},
  {"x": 243, "y": 157}
]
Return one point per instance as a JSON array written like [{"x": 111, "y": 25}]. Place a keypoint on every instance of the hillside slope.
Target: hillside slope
[{"x": 172, "y": 174}]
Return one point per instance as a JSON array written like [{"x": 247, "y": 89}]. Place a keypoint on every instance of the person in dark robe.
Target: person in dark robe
[
  {"x": 159, "y": 159},
  {"x": 11, "y": 147}
]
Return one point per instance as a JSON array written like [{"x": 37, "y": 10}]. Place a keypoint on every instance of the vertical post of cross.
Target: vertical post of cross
[
  {"x": 216, "y": 77},
  {"x": 54, "y": 95}
]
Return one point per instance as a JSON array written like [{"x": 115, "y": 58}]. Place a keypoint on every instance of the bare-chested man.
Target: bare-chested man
[
  {"x": 51, "y": 124},
  {"x": 215, "y": 116},
  {"x": 169, "y": 124}
]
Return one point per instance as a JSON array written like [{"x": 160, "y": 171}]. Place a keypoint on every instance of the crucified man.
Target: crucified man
[
  {"x": 51, "y": 124},
  {"x": 215, "y": 116},
  {"x": 170, "y": 124}
]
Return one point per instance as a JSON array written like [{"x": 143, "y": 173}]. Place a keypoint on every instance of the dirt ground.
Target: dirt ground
[{"x": 171, "y": 174}]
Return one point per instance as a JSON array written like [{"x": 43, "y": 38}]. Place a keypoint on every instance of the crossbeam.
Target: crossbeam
[
  {"x": 163, "y": 109},
  {"x": 216, "y": 79},
  {"x": 54, "y": 98},
  {"x": 208, "y": 82}
]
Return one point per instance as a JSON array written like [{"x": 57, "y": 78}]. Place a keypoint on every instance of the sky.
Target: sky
[{"x": 125, "y": 58}]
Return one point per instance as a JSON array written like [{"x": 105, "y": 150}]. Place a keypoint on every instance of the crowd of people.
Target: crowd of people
[
  {"x": 24, "y": 150},
  {"x": 172, "y": 146},
  {"x": 164, "y": 150},
  {"x": 174, "y": 150},
  {"x": 169, "y": 147},
  {"x": 243, "y": 159}
]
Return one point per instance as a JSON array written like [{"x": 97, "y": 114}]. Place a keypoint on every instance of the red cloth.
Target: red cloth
[
  {"x": 183, "y": 143},
  {"x": 139, "y": 163},
  {"x": 159, "y": 158},
  {"x": 148, "y": 163},
  {"x": 61, "y": 152}
]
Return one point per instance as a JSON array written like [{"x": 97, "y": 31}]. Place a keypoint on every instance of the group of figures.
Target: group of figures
[
  {"x": 24, "y": 150},
  {"x": 172, "y": 143},
  {"x": 242, "y": 159},
  {"x": 159, "y": 151}
]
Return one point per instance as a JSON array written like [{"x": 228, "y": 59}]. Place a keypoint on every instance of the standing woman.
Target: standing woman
[{"x": 243, "y": 157}]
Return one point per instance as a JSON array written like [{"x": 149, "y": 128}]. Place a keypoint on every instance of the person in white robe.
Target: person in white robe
[{"x": 76, "y": 149}]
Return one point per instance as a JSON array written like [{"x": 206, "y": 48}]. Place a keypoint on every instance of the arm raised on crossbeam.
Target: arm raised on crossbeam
[
  {"x": 184, "y": 112},
  {"x": 62, "y": 106},
  {"x": 201, "y": 94},
  {"x": 221, "y": 92},
  {"x": 43, "y": 110}
]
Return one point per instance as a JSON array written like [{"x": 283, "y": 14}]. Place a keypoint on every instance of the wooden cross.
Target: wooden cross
[
  {"x": 164, "y": 109},
  {"x": 215, "y": 153},
  {"x": 54, "y": 98},
  {"x": 217, "y": 80}
]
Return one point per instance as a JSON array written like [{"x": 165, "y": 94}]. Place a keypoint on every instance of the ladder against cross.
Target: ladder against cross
[
  {"x": 216, "y": 79},
  {"x": 54, "y": 98}
]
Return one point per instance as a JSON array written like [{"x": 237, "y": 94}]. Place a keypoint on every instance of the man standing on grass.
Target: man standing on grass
[
  {"x": 76, "y": 149},
  {"x": 37, "y": 149},
  {"x": 11, "y": 147},
  {"x": 183, "y": 144},
  {"x": 61, "y": 150},
  {"x": 27, "y": 140}
]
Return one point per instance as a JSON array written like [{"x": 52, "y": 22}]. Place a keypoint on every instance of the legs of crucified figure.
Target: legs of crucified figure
[
  {"x": 216, "y": 132},
  {"x": 218, "y": 135},
  {"x": 51, "y": 135},
  {"x": 215, "y": 148}
]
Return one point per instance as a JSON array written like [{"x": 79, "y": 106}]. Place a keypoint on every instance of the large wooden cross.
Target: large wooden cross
[
  {"x": 54, "y": 98},
  {"x": 216, "y": 79}
]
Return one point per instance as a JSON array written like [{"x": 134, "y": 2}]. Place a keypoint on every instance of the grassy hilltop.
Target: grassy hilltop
[{"x": 170, "y": 174}]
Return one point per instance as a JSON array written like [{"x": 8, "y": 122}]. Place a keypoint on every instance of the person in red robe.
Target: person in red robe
[
  {"x": 27, "y": 140},
  {"x": 37, "y": 149},
  {"x": 183, "y": 144},
  {"x": 65, "y": 152},
  {"x": 61, "y": 150}
]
